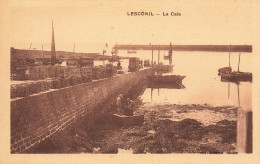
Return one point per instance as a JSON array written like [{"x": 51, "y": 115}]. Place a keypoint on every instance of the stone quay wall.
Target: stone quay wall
[{"x": 37, "y": 117}]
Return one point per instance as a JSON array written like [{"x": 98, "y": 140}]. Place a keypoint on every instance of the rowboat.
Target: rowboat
[{"x": 124, "y": 120}]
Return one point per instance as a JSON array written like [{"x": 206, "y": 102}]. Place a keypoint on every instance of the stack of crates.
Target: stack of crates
[
  {"x": 114, "y": 70},
  {"x": 134, "y": 64},
  {"x": 95, "y": 73}
]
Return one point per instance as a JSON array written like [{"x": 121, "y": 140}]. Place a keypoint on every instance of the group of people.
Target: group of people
[
  {"x": 124, "y": 110},
  {"x": 147, "y": 63}
]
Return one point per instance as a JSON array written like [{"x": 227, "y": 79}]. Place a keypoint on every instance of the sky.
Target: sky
[{"x": 92, "y": 24}]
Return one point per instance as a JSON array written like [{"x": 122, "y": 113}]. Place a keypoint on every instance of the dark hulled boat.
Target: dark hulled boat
[
  {"x": 236, "y": 76},
  {"x": 224, "y": 70},
  {"x": 165, "y": 85},
  {"x": 166, "y": 78}
]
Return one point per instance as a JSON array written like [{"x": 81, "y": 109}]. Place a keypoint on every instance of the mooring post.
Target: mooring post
[
  {"x": 244, "y": 130},
  {"x": 152, "y": 54}
]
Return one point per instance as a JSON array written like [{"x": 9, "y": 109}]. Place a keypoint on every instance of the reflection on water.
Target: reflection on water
[{"x": 202, "y": 83}]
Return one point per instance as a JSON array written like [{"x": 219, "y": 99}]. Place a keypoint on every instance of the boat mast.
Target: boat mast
[
  {"x": 170, "y": 54},
  {"x": 238, "y": 62},
  {"x": 229, "y": 55},
  {"x": 159, "y": 55}
]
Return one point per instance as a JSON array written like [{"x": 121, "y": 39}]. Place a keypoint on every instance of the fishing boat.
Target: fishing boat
[
  {"x": 224, "y": 70},
  {"x": 166, "y": 78},
  {"x": 237, "y": 76}
]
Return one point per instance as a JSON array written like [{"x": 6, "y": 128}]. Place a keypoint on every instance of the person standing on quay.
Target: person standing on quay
[{"x": 119, "y": 104}]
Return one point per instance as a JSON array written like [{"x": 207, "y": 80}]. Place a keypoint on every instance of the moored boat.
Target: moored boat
[
  {"x": 167, "y": 78},
  {"x": 224, "y": 70},
  {"x": 176, "y": 85},
  {"x": 236, "y": 76}
]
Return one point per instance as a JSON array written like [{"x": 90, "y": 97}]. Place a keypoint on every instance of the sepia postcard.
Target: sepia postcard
[{"x": 123, "y": 81}]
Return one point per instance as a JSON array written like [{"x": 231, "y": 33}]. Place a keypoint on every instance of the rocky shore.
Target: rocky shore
[{"x": 168, "y": 128}]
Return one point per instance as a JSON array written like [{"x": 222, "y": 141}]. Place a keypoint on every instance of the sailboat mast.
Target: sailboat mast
[
  {"x": 159, "y": 55},
  {"x": 229, "y": 55},
  {"x": 238, "y": 62}
]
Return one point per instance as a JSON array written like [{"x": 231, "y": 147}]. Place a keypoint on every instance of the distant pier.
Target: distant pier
[{"x": 216, "y": 48}]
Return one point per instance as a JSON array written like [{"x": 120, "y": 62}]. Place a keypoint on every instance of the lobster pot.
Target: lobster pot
[
  {"x": 89, "y": 78},
  {"x": 37, "y": 86},
  {"x": 20, "y": 74},
  {"x": 101, "y": 73},
  {"x": 66, "y": 82},
  {"x": 36, "y": 73},
  {"x": 61, "y": 82},
  {"x": 89, "y": 74},
  {"x": 33, "y": 73},
  {"x": 62, "y": 72},
  {"x": 46, "y": 72},
  {"x": 114, "y": 70},
  {"x": 110, "y": 72},
  {"x": 31, "y": 88},
  {"x": 84, "y": 78},
  {"x": 51, "y": 71},
  {"x": 66, "y": 71},
  {"x": 44, "y": 85},
  {"x": 79, "y": 80},
  {"x": 22, "y": 90},
  {"x": 82, "y": 71},
  {"x": 57, "y": 71},
  {"x": 50, "y": 83},
  {"x": 75, "y": 71},
  {"x": 13, "y": 91},
  {"x": 56, "y": 84},
  {"x": 73, "y": 81},
  {"x": 41, "y": 72}
]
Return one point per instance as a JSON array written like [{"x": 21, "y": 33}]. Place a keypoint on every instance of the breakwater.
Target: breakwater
[
  {"x": 33, "y": 54},
  {"x": 37, "y": 117},
  {"x": 216, "y": 48}
]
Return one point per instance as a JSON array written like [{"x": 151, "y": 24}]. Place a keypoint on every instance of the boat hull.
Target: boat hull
[
  {"x": 124, "y": 120},
  {"x": 167, "y": 79},
  {"x": 165, "y": 85},
  {"x": 225, "y": 70},
  {"x": 237, "y": 76}
]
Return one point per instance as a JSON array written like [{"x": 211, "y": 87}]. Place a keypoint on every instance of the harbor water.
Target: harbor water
[{"x": 202, "y": 83}]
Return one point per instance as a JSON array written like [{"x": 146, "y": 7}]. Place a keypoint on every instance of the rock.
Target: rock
[{"x": 109, "y": 149}]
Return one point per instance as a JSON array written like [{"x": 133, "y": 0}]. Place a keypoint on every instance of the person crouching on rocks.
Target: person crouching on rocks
[{"x": 130, "y": 107}]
